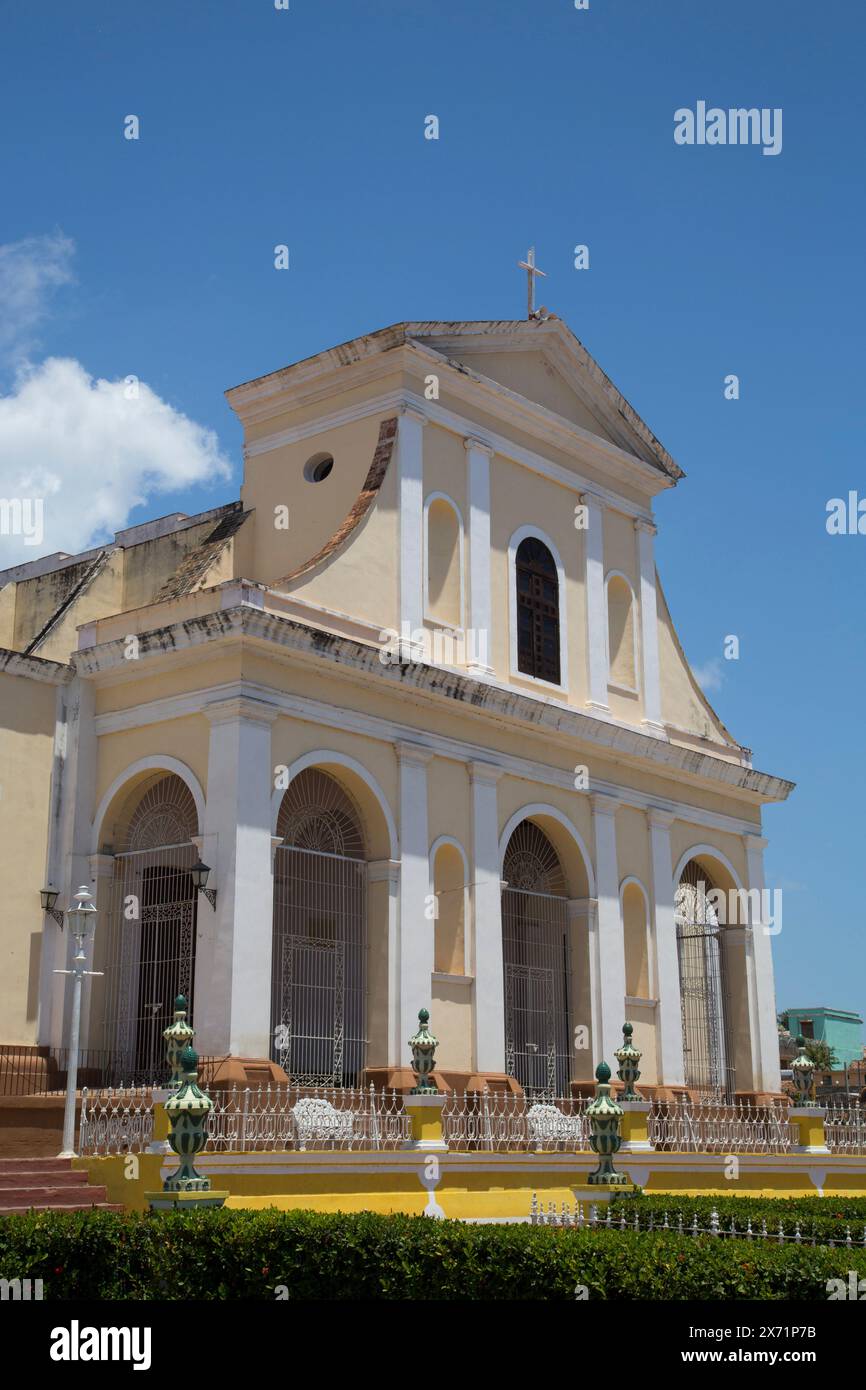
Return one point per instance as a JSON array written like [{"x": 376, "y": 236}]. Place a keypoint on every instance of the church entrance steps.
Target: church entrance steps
[{"x": 48, "y": 1184}]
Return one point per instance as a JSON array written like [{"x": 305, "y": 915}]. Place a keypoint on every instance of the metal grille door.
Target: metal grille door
[
  {"x": 536, "y": 963},
  {"x": 318, "y": 1003},
  {"x": 150, "y": 956},
  {"x": 700, "y": 949}
]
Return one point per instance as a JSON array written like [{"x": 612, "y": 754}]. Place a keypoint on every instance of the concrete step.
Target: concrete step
[
  {"x": 47, "y": 1196},
  {"x": 58, "y": 1206},
  {"x": 42, "y": 1177},
  {"x": 11, "y": 1166}
]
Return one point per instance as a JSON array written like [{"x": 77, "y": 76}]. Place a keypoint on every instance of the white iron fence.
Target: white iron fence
[
  {"x": 273, "y": 1119},
  {"x": 683, "y": 1127},
  {"x": 588, "y": 1215}
]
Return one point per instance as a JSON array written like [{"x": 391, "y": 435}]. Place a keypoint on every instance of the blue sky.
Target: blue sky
[{"x": 305, "y": 127}]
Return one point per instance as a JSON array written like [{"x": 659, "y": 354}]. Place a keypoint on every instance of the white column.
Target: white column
[
  {"x": 416, "y": 928},
  {"x": 652, "y": 698},
  {"x": 610, "y": 938},
  {"x": 671, "y": 1070},
  {"x": 478, "y": 456},
  {"x": 486, "y": 876},
  {"x": 410, "y": 476},
  {"x": 233, "y": 972},
  {"x": 765, "y": 1046},
  {"x": 596, "y": 607}
]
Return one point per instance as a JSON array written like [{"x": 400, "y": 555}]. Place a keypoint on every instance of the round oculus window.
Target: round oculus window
[{"x": 318, "y": 467}]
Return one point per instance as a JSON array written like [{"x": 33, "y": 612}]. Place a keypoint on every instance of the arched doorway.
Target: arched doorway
[
  {"x": 318, "y": 996},
  {"x": 149, "y": 949},
  {"x": 707, "y": 1054},
  {"x": 535, "y": 950}
]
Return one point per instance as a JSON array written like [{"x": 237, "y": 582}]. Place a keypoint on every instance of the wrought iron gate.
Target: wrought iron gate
[
  {"x": 536, "y": 963},
  {"x": 150, "y": 957},
  {"x": 707, "y": 1055},
  {"x": 318, "y": 997},
  {"x": 148, "y": 949}
]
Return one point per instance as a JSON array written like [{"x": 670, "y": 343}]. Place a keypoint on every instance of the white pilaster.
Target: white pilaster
[
  {"x": 233, "y": 960},
  {"x": 388, "y": 871},
  {"x": 765, "y": 1047},
  {"x": 417, "y": 940},
  {"x": 609, "y": 936},
  {"x": 478, "y": 456},
  {"x": 671, "y": 1070},
  {"x": 651, "y": 685},
  {"x": 596, "y": 608},
  {"x": 410, "y": 476},
  {"x": 487, "y": 921}
]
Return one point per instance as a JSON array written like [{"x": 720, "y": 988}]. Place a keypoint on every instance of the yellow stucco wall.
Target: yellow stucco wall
[{"x": 26, "y": 756}]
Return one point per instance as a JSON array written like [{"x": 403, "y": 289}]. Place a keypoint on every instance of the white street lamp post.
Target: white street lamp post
[{"x": 82, "y": 924}]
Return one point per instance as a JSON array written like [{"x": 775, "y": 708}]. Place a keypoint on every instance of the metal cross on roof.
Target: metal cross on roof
[{"x": 531, "y": 271}]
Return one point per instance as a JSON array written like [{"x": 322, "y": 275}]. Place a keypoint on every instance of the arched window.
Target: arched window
[
  {"x": 536, "y": 963},
  {"x": 621, "y": 645},
  {"x": 148, "y": 951},
  {"x": 537, "y": 611},
  {"x": 707, "y": 1056},
  {"x": 318, "y": 990},
  {"x": 444, "y": 562}
]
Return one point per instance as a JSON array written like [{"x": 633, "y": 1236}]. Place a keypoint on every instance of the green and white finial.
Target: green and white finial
[
  {"x": 423, "y": 1045},
  {"x": 604, "y": 1121},
  {"x": 628, "y": 1057},
  {"x": 188, "y": 1110},
  {"x": 177, "y": 1036}
]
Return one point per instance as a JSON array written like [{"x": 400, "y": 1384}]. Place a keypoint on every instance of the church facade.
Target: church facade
[{"x": 417, "y": 703}]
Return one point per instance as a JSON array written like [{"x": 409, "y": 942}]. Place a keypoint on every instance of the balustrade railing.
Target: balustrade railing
[
  {"x": 274, "y": 1119},
  {"x": 683, "y": 1127}
]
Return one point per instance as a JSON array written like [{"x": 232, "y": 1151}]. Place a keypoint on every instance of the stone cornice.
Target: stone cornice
[
  {"x": 480, "y": 699},
  {"x": 35, "y": 668}
]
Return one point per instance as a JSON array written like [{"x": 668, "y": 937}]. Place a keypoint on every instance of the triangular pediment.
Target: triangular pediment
[{"x": 543, "y": 362}]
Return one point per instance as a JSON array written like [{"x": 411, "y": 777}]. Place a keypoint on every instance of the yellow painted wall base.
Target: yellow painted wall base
[{"x": 472, "y": 1185}]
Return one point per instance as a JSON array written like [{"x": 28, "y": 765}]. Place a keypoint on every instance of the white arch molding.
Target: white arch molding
[
  {"x": 452, "y": 843},
  {"x": 710, "y": 850},
  {"x": 323, "y": 758},
  {"x": 521, "y": 534},
  {"x": 538, "y": 808},
  {"x": 156, "y": 762},
  {"x": 632, "y": 881}
]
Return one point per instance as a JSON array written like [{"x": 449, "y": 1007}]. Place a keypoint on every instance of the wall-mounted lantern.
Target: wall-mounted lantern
[
  {"x": 200, "y": 872},
  {"x": 48, "y": 897}
]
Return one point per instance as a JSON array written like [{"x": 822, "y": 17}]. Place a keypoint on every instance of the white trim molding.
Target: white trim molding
[
  {"x": 531, "y": 811},
  {"x": 521, "y": 534},
  {"x": 410, "y": 522}
]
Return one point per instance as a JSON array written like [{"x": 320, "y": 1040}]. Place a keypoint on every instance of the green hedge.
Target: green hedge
[
  {"x": 245, "y": 1254},
  {"x": 825, "y": 1218}
]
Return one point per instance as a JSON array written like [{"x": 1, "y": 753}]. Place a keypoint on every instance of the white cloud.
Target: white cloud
[
  {"x": 29, "y": 271},
  {"x": 78, "y": 454},
  {"x": 92, "y": 455},
  {"x": 709, "y": 676}
]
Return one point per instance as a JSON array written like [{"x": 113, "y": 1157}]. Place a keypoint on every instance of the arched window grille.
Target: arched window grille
[
  {"x": 537, "y": 611},
  {"x": 707, "y": 1055},
  {"x": 535, "y": 952},
  {"x": 148, "y": 952},
  {"x": 318, "y": 993}
]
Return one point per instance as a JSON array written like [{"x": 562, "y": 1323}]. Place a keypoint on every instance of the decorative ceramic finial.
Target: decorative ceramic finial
[
  {"x": 628, "y": 1057},
  {"x": 178, "y": 1036},
  {"x": 188, "y": 1110},
  {"x": 604, "y": 1121},
  {"x": 423, "y": 1045}
]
